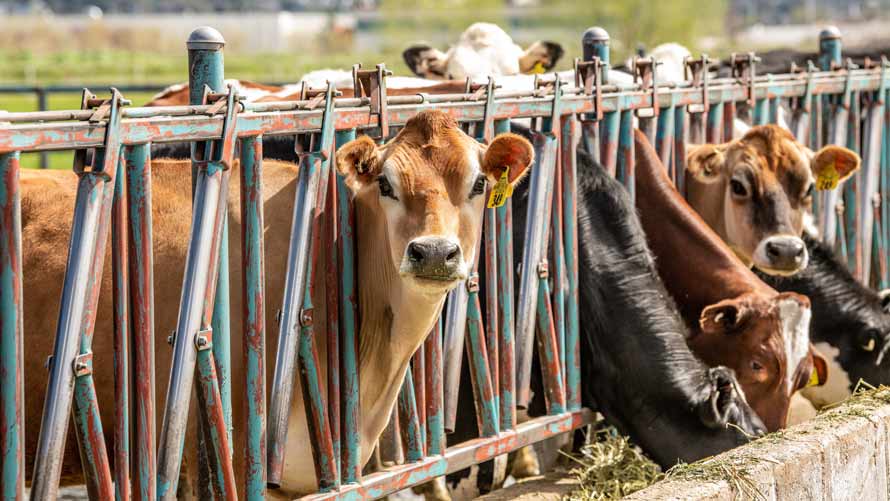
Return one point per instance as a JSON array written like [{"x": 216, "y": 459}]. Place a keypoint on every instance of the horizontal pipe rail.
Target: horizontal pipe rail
[{"x": 72, "y": 130}]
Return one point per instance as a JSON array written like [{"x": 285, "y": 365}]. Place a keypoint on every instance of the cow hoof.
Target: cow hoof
[
  {"x": 434, "y": 490},
  {"x": 525, "y": 464}
]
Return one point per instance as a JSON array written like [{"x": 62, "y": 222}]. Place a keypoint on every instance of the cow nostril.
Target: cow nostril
[
  {"x": 772, "y": 250},
  {"x": 453, "y": 255},
  {"x": 415, "y": 254}
]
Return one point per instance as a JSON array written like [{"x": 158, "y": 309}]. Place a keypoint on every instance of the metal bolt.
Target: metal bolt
[
  {"x": 830, "y": 33},
  {"x": 202, "y": 341}
]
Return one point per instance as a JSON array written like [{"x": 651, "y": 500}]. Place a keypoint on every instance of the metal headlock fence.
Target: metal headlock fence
[{"x": 834, "y": 103}]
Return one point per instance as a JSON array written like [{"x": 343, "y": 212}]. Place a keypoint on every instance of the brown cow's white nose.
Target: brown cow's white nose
[{"x": 434, "y": 257}]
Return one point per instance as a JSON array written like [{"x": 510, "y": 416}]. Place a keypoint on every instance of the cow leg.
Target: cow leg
[{"x": 525, "y": 463}]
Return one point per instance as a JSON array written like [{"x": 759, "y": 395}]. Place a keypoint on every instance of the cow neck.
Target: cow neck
[
  {"x": 394, "y": 320},
  {"x": 695, "y": 265}
]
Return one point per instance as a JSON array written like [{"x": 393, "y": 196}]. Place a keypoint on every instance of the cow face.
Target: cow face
[
  {"x": 757, "y": 191},
  {"x": 766, "y": 342},
  {"x": 428, "y": 187}
]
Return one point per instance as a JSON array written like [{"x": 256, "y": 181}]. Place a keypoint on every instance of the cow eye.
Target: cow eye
[
  {"x": 869, "y": 339},
  {"x": 809, "y": 192},
  {"x": 738, "y": 188},
  {"x": 386, "y": 188},
  {"x": 755, "y": 365},
  {"x": 478, "y": 187}
]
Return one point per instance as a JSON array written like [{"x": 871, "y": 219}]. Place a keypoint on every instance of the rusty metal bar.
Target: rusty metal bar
[
  {"x": 332, "y": 325},
  {"x": 458, "y": 457},
  {"x": 435, "y": 434},
  {"x": 196, "y": 309},
  {"x": 869, "y": 181},
  {"x": 453, "y": 345},
  {"x": 625, "y": 173},
  {"x": 477, "y": 356},
  {"x": 141, "y": 284},
  {"x": 535, "y": 251},
  {"x": 408, "y": 414},
  {"x": 120, "y": 263},
  {"x": 351, "y": 448},
  {"x": 714, "y": 124},
  {"x": 681, "y": 139},
  {"x": 312, "y": 167},
  {"x": 569, "y": 167},
  {"x": 77, "y": 314},
  {"x": 12, "y": 410},
  {"x": 253, "y": 317}
]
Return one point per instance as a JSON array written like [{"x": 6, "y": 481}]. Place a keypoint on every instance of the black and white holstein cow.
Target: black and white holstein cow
[{"x": 850, "y": 324}]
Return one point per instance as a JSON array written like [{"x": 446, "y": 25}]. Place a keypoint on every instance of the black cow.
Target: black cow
[{"x": 849, "y": 326}]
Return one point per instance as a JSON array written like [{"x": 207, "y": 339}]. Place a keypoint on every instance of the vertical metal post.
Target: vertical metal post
[
  {"x": 314, "y": 167},
  {"x": 851, "y": 192},
  {"x": 477, "y": 357},
  {"x": 435, "y": 435},
  {"x": 834, "y": 115},
  {"x": 194, "y": 331},
  {"x": 534, "y": 253},
  {"x": 729, "y": 115},
  {"x": 714, "y": 124},
  {"x": 43, "y": 105},
  {"x": 254, "y": 316},
  {"x": 452, "y": 351},
  {"x": 507, "y": 345},
  {"x": 142, "y": 312},
  {"x": 206, "y": 69},
  {"x": 349, "y": 380},
  {"x": 595, "y": 43},
  {"x": 572, "y": 367},
  {"x": 680, "y": 139},
  {"x": 77, "y": 313},
  {"x": 871, "y": 180},
  {"x": 407, "y": 407},
  {"x": 664, "y": 137},
  {"x": 120, "y": 280},
  {"x": 12, "y": 400},
  {"x": 625, "y": 172}
]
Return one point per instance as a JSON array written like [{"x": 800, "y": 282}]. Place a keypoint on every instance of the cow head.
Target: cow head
[
  {"x": 766, "y": 342},
  {"x": 756, "y": 192},
  {"x": 427, "y": 188}
]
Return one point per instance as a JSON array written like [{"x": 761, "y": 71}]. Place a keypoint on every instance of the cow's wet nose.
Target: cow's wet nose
[
  {"x": 433, "y": 257},
  {"x": 785, "y": 253}
]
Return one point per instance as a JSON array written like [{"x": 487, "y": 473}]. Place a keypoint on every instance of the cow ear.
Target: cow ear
[
  {"x": 359, "y": 162},
  {"x": 723, "y": 317},
  {"x": 843, "y": 161},
  {"x": 820, "y": 370},
  {"x": 508, "y": 151},
  {"x": 704, "y": 162},
  {"x": 426, "y": 62}
]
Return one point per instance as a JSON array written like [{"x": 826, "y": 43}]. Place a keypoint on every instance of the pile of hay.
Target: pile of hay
[{"x": 611, "y": 468}]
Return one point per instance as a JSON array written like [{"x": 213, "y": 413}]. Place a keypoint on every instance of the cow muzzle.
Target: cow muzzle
[
  {"x": 434, "y": 259},
  {"x": 782, "y": 255}
]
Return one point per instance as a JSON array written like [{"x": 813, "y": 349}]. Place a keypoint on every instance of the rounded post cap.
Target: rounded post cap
[
  {"x": 830, "y": 33},
  {"x": 595, "y": 35},
  {"x": 205, "y": 38}
]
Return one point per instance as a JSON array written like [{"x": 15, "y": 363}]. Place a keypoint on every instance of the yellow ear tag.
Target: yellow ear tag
[
  {"x": 501, "y": 190},
  {"x": 814, "y": 378},
  {"x": 538, "y": 68},
  {"x": 827, "y": 178}
]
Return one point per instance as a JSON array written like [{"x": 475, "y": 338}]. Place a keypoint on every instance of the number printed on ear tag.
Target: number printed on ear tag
[
  {"x": 827, "y": 178},
  {"x": 501, "y": 190}
]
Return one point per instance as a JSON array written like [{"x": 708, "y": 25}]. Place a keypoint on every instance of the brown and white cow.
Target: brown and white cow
[
  {"x": 736, "y": 320},
  {"x": 756, "y": 193},
  {"x": 419, "y": 201}
]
